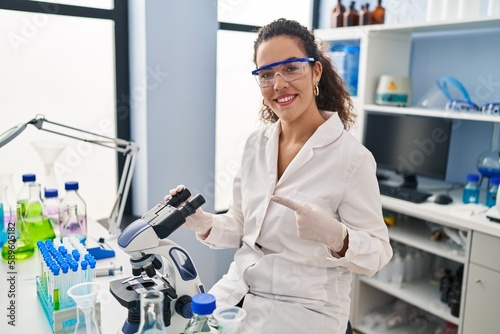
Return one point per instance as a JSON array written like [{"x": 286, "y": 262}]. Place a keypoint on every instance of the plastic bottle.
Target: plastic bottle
[
  {"x": 410, "y": 265},
  {"x": 37, "y": 224},
  {"x": 19, "y": 245},
  {"x": 491, "y": 197},
  {"x": 203, "y": 304},
  {"x": 337, "y": 18},
  {"x": 471, "y": 189},
  {"x": 378, "y": 14},
  {"x": 24, "y": 193},
  {"x": 398, "y": 270},
  {"x": 351, "y": 16},
  {"x": 72, "y": 197},
  {"x": 51, "y": 208},
  {"x": 152, "y": 313}
]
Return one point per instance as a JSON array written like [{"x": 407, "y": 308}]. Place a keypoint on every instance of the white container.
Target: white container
[
  {"x": 450, "y": 9},
  {"x": 434, "y": 10},
  {"x": 468, "y": 9},
  {"x": 493, "y": 8}
]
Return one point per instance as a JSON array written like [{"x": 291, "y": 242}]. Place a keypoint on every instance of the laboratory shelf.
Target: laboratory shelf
[
  {"x": 420, "y": 328},
  {"x": 414, "y": 233},
  {"x": 419, "y": 293}
]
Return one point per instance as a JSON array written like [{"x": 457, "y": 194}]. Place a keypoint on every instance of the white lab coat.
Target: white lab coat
[{"x": 293, "y": 285}]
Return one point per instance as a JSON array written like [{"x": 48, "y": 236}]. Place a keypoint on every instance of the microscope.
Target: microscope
[{"x": 159, "y": 264}]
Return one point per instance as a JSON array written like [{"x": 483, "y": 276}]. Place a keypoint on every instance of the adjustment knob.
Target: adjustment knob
[{"x": 183, "y": 306}]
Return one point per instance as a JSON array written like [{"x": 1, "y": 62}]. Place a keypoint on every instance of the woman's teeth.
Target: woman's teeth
[{"x": 286, "y": 99}]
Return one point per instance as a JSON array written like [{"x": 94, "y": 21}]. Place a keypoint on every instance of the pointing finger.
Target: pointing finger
[{"x": 286, "y": 202}]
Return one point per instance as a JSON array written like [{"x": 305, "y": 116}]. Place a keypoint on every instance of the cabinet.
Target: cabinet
[{"x": 390, "y": 50}]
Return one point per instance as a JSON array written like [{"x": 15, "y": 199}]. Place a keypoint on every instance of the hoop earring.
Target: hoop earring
[
  {"x": 264, "y": 103},
  {"x": 316, "y": 90}
]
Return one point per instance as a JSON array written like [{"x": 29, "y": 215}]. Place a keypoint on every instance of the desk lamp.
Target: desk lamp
[{"x": 128, "y": 148}]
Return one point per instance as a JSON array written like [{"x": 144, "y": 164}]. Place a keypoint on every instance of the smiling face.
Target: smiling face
[{"x": 291, "y": 101}]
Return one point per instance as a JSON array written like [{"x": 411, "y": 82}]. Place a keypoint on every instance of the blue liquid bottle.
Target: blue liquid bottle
[
  {"x": 491, "y": 197},
  {"x": 471, "y": 189}
]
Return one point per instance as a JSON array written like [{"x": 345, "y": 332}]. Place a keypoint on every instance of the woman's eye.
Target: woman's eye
[
  {"x": 292, "y": 68},
  {"x": 265, "y": 74}
]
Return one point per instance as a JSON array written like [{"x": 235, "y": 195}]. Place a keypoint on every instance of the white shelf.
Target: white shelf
[
  {"x": 406, "y": 329},
  {"x": 467, "y": 116},
  {"x": 416, "y": 235},
  {"x": 420, "y": 293}
]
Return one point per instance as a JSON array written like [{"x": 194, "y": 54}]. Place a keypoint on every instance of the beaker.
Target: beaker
[
  {"x": 49, "y": 151},
  {"x": 38, "y": 225},
  {"x": 229, "y": 319},
  {"x": 84, "y": 295},
  {"x": 18, "y": 245}
]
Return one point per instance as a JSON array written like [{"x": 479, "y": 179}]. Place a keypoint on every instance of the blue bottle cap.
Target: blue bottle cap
[
  {"x": 472, "y": 177},
  {"x": 203, "y": 303},
  {"x": 29, "y": 177},
  {"x": 71, "y": 185},
  {"x": 495, "y": 181},
  {"x": 50, "y": 193}
]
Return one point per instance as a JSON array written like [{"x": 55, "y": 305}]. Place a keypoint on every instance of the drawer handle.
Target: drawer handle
[{"x": 477, "y": 281}]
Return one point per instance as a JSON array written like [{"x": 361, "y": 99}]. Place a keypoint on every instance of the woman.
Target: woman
[{"x": 306, "y": 209}]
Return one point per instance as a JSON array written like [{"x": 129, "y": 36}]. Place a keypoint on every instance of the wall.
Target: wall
[{"x": 173, "y": 46}]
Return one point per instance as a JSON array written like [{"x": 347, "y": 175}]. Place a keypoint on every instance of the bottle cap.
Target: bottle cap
[
  {"x": 203, "y": 303},
  {"x": 472, "y": 177},
  {"x": 50, "y": 193},
  {"x": 71, "y": 185},
  {"x": 29, "y": 177},
  {"x": 495, "y": 181}
]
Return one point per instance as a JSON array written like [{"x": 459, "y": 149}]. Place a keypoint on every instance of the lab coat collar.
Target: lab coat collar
[{"x": 326, "y": 133}]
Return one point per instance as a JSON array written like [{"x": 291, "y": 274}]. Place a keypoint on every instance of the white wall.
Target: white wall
[{"x": 174, "y": 116}]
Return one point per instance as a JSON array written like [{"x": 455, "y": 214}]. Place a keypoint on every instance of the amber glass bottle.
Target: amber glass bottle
[
  {"x": 378, "y": 14},
  {"x": 337, "y": 19},
  {"x": 364, "y": 15},
  {"x": 351, "y": 16}
]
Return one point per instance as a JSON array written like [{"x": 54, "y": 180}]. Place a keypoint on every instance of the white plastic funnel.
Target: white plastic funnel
[
  {"x": 84, "y": 295},
  {"x": 229, "y": 319}
]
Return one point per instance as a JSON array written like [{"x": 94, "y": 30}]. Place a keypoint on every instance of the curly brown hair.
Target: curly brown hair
[{"x": 333, "y": 94}]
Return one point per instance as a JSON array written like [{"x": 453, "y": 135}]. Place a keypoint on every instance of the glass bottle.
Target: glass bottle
[
  {"x": 3, "y": 225},
  {"x": 72, "y": 225},
  {"x": 351, "y": 16},
  {"x": 202, "y": 321},
  {"x": 491, "y": 197},
  {"x": 24, "y": 193},
  {"x": 378, "y": 14},
  {"x": 19, "y": 245},
  {"x": 364, "y": 15},
  {"x": 51, "y": 209},
  {"x": 38, "y": 225},
  {"x": 73, "y": 197},
  {"x": 9, "y": 199},
  {"x": 152, "y": 313},
  {"x": 471, "y": 189},
  {"x": 337, "y": 18}
]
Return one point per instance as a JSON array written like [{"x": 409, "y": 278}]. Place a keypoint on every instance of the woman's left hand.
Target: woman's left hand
[{"x": 314, "y": 224}]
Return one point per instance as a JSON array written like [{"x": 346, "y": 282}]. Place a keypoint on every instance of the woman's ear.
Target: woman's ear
[{"x": 317, "y": 71}]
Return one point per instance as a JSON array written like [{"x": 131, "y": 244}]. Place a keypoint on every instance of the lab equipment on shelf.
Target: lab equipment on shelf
[
  {"x": 491, "y": 196},
  {"x": 471, "y": 189}
]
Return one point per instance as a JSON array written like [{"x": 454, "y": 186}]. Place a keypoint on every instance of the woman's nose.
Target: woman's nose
[{"x": 279, "y": 82}]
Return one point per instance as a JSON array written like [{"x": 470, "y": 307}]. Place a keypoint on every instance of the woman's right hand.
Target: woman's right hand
[{"x": 200, "y": 222}]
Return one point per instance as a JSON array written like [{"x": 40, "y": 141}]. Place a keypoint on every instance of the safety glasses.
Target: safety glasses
[{"x": 289, "y": 70}]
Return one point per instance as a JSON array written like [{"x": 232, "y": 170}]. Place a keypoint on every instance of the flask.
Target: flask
[
  {"x": 24, "y": 193},
  {"x": 491, "y": 197},
  {"x": 152, "y": 313},
  {"x": 51, "y": 209},
  {"x": 72, "y": 226},
  {"x": 72, "y": 197},
  {"x": 471, "y": 189},
  {"x": 3, "y": 199},
  {"x": 378, "y": 14},
  {"x": 19, "y": 245},
  {"x": 337, "y": 18},
  {"x": 351, "y": 16},
  {"x": 9, "y": 197},
  {"x": 364, "y": 15},
  {"x": 202, "y": 305},
  {"x": 38, "y": 225}
]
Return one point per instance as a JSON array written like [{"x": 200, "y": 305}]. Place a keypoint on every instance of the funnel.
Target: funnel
[
  {"x": 49, "y": 151},
  {"x": 229, "y": 319},
  {"x": 84, "y": 295}
]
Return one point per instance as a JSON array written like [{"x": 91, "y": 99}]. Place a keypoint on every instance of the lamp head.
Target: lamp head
[{"x": 15, "y": 131}]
